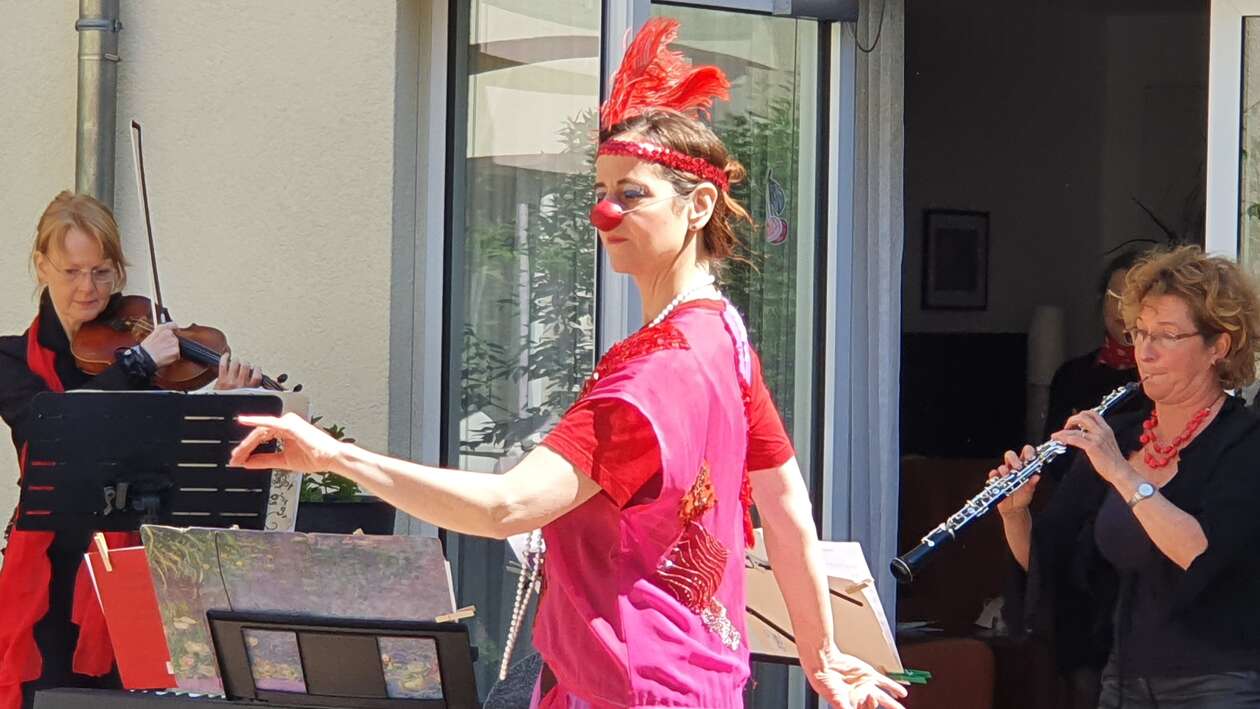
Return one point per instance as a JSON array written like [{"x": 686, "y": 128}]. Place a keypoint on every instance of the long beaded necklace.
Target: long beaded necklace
[
  {"x": 1157, "y": 456},
  {"x": 532, "y": 563},
  {"x": 531, "y": 567}
]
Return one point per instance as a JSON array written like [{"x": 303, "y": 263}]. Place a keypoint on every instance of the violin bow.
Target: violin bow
[{"x": 142, "y": 193}]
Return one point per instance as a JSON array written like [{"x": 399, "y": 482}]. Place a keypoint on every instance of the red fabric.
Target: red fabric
[
  {"x": 24, "y": 581},
  {"x": 661, "y": 155},
  {"x": 1116, "y": 355},
  {"x": 768, "y": 443},
  {"x": 27, "y": 573},
  {"x": 611, "y": 442}
]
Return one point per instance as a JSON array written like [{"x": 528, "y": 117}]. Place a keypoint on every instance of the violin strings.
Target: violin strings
[{"x": 209, "y": 356}]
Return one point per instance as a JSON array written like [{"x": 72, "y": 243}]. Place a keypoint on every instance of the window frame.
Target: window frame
[{"x": 1224, "y": 140}]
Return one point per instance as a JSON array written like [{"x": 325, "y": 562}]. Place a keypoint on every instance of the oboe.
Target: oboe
[{"x": 996, "y": 490}]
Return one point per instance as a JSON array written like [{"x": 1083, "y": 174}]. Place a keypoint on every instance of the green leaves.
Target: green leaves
[{"x": 325, "y": 486}]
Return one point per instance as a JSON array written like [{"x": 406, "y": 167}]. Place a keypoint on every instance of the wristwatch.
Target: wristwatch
[{"x": 1143, "y": 491}]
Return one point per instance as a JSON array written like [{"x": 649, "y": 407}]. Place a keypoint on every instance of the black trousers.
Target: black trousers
[
  {"x": 55, "y": 634},
  {"x": 1224, "y": 690}
]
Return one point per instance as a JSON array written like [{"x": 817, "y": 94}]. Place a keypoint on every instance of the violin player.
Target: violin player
[{"x": 51, "y": 633}]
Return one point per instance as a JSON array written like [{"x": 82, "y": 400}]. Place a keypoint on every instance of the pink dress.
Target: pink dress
[{"x": 643, "y": 604}]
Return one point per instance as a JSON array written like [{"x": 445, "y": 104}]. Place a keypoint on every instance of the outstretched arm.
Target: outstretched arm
[
  {"x": 542, "y": 487},
  {"x": 796, "y": 557}
]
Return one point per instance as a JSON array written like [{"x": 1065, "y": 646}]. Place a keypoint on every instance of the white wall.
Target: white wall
[
  {"x": 38, "y": 50},
  {"x": 1040, "y": 114},
  {"x": 269, "y": 145}
]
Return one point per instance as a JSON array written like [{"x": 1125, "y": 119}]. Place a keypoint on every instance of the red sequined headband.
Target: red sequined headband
[{"x": 661, "y": 155}]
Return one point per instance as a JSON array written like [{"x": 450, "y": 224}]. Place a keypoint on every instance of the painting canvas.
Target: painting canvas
[{"x": 322, "y": 575}]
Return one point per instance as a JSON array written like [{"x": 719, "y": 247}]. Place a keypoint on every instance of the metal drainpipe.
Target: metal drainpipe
[{"x": 98, "y": 27}]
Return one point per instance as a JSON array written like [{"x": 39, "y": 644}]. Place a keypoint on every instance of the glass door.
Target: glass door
[
  {"x": 521, "y": 270},
  {"x": 771, "y": 125},
  {"x": 522, "y": 283}
]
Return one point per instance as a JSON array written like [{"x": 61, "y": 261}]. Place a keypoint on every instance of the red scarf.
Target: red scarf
[
  {"x": 1115, "y": 354},
  {"x": 26, "y": 576}
]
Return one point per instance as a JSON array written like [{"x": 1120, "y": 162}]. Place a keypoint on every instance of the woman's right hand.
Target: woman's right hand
[
  {"x": 1020, "y": 499},
  {"x": 162, "y": 344},
  {"x": 845, "y": 682}
]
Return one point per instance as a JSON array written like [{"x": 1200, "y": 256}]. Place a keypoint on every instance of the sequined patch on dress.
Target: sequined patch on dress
[
  {"x": 693, "y": 569},
  {"x": 700, "y": 498}
]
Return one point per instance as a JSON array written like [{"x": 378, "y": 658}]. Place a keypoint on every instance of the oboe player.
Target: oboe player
[{"x": 1148, "y": 550}]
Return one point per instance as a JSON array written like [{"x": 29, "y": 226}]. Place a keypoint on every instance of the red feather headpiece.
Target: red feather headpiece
[{"x": 654, "y": 76}]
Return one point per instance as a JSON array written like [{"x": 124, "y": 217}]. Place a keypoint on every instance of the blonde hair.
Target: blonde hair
[
  {"x": 79, "y": 211},
  {"x": 1221, "y": 297}
]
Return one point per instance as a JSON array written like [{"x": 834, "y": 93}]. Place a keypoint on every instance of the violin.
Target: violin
[{"x": 130, "y": 320}]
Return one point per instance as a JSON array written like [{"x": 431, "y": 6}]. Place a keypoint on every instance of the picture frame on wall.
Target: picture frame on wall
[{"x": 955, "y": 259}]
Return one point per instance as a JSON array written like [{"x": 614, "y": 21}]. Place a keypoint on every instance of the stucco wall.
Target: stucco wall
[
  {"x": 269, "y": 135},
  {"x": 38, "y": 49}
]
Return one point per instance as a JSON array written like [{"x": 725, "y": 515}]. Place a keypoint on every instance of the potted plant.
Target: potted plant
[{"x": 331, "y": 503}]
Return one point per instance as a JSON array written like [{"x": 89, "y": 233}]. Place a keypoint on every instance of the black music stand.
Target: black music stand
[
  {"x": 111, "y": 461},
  {"x": 342, "y": 661}
]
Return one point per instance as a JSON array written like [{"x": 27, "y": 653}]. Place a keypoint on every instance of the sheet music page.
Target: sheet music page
[
  {"x": 845, "y": 561},
  {"x": 286, "y": 487}
]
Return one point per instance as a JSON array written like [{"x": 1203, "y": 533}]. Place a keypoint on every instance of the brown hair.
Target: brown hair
[
  {"x": 1221, "y": 297},
  {"x": 689, "y": 136},
  {"x": 79, "y": 211}
]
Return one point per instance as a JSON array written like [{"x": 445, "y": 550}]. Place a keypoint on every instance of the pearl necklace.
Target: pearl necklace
[
  {"x": 531, "y": 568},
  {"x": 704, "y": 282}
]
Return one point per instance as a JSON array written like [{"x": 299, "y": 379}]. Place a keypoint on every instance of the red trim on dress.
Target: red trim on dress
[{"x": 26, "y": 576}]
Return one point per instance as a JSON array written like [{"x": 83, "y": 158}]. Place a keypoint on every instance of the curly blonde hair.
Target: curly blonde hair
[{"x": 1221, "y": 297}]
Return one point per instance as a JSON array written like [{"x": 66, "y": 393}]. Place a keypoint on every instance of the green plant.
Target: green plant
[
  {"x": 560, "y": 253},
  {"x": 327, "y": 486}
]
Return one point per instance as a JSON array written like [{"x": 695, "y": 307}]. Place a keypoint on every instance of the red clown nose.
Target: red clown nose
[{"x": 606, "y": 215}]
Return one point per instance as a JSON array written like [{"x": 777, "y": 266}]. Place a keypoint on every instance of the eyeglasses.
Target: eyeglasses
[
  {"x": 1158, "y": 340},
  {"x": 100, "y": 277}
]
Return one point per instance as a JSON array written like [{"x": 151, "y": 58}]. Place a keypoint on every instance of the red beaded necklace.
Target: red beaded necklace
[{"x": 1158, "y": 456}]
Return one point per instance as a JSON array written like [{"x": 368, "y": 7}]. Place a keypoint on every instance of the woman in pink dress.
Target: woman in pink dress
[{"x": 643, "y": 491}]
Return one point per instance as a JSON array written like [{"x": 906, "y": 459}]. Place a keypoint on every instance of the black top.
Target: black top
[
  {"x": 1079, "y": 384},
  {"x": 19, "y": 385},
  {"x": 1160, "y": 620}
]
